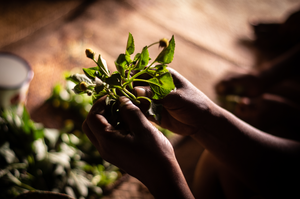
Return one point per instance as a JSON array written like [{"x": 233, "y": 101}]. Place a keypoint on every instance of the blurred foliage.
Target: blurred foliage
[
  {"x": 65, "y": 99},
  {"x": 36, "y": 158}
]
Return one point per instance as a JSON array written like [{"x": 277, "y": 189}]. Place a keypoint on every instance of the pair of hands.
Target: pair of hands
[{"x": 146, "y": 149}]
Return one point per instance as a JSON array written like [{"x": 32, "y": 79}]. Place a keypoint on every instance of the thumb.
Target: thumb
[
  {"x": 143, "y": 91},
  {"x": 133, "y": 116}
]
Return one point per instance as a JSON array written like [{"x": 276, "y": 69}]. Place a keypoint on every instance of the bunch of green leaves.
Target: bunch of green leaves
[
  {"x": 98, "y": 81},
  {"x": 36, "y": 158}
]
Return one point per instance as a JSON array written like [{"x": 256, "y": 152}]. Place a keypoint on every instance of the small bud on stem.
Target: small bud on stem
[
  {"x": 164, "y": 43},
  {"x": 83, "y": 86},
  {"x": 90, "y": 53},
  {"x": 89, "y": 93}
]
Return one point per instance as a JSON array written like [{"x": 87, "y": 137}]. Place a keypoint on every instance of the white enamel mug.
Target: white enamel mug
[{"x": 15, "y": 77}]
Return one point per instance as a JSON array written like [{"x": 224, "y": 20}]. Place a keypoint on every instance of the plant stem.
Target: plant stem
[
  {"x": 129, "y": 93},
  {"x": 128, "y": 77},
  {"x": 124, "y": 93},
  {"x": 153, "y": 44},
  {"x": 129, "y": 81},
  {"x": 146, "y": 98},
  {"x": 17, "y": 182},
  {"x": 25, "y": 186},
  {"x": 115, "y": 93},
  {"x": 136, "y": 75},
  {"x": 144, "y": 80},
  {"x": 150, "y": 65}
]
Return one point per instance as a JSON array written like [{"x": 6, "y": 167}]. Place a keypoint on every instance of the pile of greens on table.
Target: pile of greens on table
[{"x": 36, "y": 158}]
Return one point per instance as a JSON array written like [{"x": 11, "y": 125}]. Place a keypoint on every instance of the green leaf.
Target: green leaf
[
  {"x": 7, "y": 153},
  {"x": 91, "y": 72},
  {"x": 167, "y": 54},
  {"x": 128, "y": 58},
  {"x": 137, "y": 56},
  {"x": 121, "y": 64},
  {"x": 80, "y": 181},
  {"x": 77, "y": 78},
  {"x": 27, "y": 123},
  {"x": 25, "y": 115},
  {"x": 99, "y": 88},
  {"x": 151, "y": 72},
  {"x": 102, "y": 65},
  {"x": 143, "y": 59},
  {"x": 38, "y": 134},
  {"x": 161, "y": 68},
  {"x": 166, "y": 85},
  {"x": 114, "y": 79},
  {"x": 130, "y": 44},
  {"x": 61, "y": 158}
]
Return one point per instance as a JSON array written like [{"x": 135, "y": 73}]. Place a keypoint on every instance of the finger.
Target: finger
[
  {"x": 98, "y": 123},
  {"x": 143, "y": 91},
  {"x": 226, "y": 87},
  {"x": 99, "y": 106},
  {"x": 172, "y": 124},
  {"x": 133, "y": 116},
  {"x": 96, "y": 118},
  {"x": 178, "y": 79},
  {"x": 103, "y": 139},
  {"x": 90, "y": 134}
]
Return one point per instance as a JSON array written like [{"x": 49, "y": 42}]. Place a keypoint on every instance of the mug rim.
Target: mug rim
[{"x": 30, "y": 72}]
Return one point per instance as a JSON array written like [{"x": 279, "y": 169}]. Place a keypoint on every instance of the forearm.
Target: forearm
[
  {"x": 167, "y": 181},
  {"x": 253, "y": 156}
]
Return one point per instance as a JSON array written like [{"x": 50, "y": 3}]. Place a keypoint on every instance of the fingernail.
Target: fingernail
[
  {"x": 124, "y": 101},
  {"x": 140, "y": 92}
]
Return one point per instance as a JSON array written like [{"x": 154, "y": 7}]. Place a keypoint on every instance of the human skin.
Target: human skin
[
  {"x": 254, "y": 83},
  {"x": 265, "y": 164},
  {"x": 144, "y": 153}
]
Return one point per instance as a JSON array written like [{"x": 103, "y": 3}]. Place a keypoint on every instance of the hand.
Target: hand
[
  {"x": 142, "y": 148},
  {"x": 184, "y": 109},
  {"x": 144, "y": 153},
  {"x": 249, "y": 85}
]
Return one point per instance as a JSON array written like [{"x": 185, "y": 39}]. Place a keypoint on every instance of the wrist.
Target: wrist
[
  {"x": 167, "y": 181},
  {"x": 212, "y": 121}
]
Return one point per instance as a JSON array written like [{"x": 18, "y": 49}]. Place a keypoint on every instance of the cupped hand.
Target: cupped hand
[
  {"x": 185, "y": 108},
  {"x": 142, "y": 149},
  {"x": 248, "y": 85}
]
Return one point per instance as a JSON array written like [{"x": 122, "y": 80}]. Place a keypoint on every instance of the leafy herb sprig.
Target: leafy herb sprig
[{"x": 98, "y": 81}]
